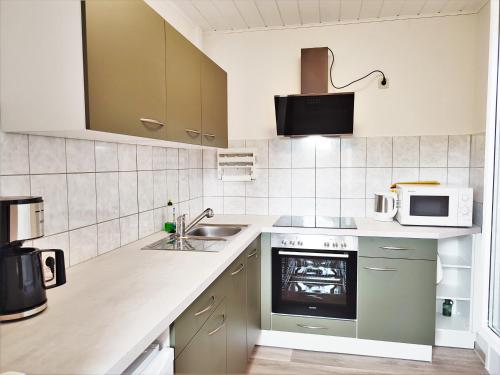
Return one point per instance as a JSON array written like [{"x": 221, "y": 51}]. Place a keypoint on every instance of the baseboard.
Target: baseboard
[{"x": 345, "y": 345}]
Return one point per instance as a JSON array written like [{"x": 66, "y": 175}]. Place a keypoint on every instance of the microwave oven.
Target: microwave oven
[{"x": 434, "y": 205}]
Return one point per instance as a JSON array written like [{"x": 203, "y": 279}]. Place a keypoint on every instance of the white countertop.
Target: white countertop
[{"x": 113, "y": 306}]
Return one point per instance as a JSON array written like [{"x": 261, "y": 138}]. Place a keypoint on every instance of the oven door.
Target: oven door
[{"x": 314, "y": 282}]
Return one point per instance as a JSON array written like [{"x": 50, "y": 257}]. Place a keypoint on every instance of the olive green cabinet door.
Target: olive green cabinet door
[
  {"x": 206, "y": 352},
  {"x": 213, "y": 104},
  {"x": 183, "y": 88},
  {"x": 253, "y": 295},
  {"x": 397, "y": 300},
  {"x": 236, "y": 277},
  {"x": 124, "y": 46}
]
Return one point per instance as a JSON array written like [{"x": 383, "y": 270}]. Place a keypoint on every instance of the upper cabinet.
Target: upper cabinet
[
  {"x": 124, "y": 45},
  {"x": 213, "y": 103},
  {"x": 112, "y": 70},
  {"x": 183, "y": 88}
]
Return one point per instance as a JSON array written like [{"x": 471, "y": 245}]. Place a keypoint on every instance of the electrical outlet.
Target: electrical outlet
[{"x": 381, "y": 86}]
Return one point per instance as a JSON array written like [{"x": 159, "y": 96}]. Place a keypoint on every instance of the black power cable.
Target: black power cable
[{"x": 383, "y": 82}]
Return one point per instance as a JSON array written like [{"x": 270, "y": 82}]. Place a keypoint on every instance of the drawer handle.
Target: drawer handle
[
  {"x": 240, "y": 268},
  {"x": 318, "y": 255},
  {"x": 149, "y": 121},
  {"x": 208, "y": 308},
  {"x": 379, "y": 269},
  {"x": 310, "y": 327},
  {"x": 219, "y": 327},
  {"x": 191, "y": 131},
  {"x": 209, "y": 135},
  {"x": 254, "y": 253},
  {"x": 394, "y": 248}
]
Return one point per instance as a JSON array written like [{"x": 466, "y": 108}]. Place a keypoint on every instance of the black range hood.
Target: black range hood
[{"x": 314, "y": 114}]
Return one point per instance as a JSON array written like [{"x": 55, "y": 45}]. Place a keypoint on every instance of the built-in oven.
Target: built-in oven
[{"x": 314, "y": 275}]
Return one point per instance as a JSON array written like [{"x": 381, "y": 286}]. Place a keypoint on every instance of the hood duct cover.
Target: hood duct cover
[{"x": 322, "y": 114}]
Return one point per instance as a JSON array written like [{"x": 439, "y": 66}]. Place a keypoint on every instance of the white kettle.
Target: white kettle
[{"x": 385, "y": 206}]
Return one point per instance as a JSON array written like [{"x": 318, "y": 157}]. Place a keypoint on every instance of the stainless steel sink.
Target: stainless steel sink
[{"x": 212, "y": 230}]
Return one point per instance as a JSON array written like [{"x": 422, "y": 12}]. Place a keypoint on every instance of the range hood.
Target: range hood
[
  {"x": 322, "y": 114},
  {"x": 314, "y": 111}
]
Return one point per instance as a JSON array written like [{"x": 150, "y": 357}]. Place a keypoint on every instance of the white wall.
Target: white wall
[{"x": 431, "y": 64}]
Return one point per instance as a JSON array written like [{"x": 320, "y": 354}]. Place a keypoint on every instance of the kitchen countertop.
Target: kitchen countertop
[{"x": 113, "y": 306}]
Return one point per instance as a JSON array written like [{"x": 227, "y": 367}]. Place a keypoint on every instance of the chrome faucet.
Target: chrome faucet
[{"x": 182, "y": 228}]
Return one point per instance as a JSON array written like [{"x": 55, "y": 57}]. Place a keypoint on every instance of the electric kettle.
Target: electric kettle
[
  {"x": 25, "y": 272},
  {"x": 385, "y": 206}
]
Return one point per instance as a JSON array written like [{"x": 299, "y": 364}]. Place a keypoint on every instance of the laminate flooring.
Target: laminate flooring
[{"x": 278, "y": 361}]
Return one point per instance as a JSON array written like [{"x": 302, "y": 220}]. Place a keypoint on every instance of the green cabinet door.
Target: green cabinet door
[
  {"x": 206, "y": 352},
  {"x": 124, "y": 48},
  {"x": 213, "y": 103},
  {"x": 183, "y": 88},
  {"x": 236, "y": 277},
  {"x": 397, "y": 300},
  {"x": 253, "y": 295}
]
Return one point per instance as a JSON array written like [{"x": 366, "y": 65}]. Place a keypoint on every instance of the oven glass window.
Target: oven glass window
[{"x": 429, "y": 205}]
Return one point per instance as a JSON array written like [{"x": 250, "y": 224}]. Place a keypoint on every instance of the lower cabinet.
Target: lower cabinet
[
  {"x": 236, "y": 278},
  {"x": 207, "y": 350},
  {"x": 253, "y": 304},
  {"x": 397, "y": 300},
  {"x": 216, "y": 333}
]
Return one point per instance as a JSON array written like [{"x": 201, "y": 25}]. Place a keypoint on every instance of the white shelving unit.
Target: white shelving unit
[
  {"x": 457, "y": 262},
  {"x": 236, "y": 164}
]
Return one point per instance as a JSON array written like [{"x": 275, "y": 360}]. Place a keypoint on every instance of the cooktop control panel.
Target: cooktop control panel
[{"x": 314, "y": 241}]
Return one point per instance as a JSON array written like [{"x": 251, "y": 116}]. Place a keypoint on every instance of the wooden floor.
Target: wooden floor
[{"x": 446, "y": 361}]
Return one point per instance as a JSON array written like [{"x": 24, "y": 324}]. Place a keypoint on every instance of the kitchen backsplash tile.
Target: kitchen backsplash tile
[
  {"x": 80, "y": 156},
  {"x": 406, "y": 151},
  {"x": 434, "y": 151},
  {"x": 352, "y": 152},
  {"x": 106, "y": 156},
  {"x": 102, "y": 195},
  {"x": 14, "y": 156},
  {"x": 379, "y": 152},
  {"x": 303, "y": 152},
  {"x": 47, "y": 154}
]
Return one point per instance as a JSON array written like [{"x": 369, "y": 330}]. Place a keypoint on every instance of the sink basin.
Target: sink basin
[{"x": 205, "y": 230}]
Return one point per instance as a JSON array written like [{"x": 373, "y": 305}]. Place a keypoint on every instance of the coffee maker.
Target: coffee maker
[{"x": 25, "y": 272}]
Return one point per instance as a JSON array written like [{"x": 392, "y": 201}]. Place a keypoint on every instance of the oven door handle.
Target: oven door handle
[{"x": 319, "y": 255}]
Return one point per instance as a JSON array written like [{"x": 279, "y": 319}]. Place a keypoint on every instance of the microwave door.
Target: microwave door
[{"x": 432, "y": 209}]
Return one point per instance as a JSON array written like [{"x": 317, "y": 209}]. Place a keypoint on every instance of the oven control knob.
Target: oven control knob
[
  {"x": 292, "y": 242},
  {"x": 284, "y": 242},
  {"x": 327, "y": 244},
  {"x": 300, "y": 243},
  {"x": 343, "y": 245},
  {"x": 335, "y": 244}
]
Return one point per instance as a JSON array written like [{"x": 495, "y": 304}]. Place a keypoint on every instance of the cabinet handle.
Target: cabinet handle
[
  {"x": 394, "y": 248},
  {"x": 219, "y": 327},
  {"x": 310, "y": 327},
  {"x": 208, "y": 308},
  {"x": 379, "y": 269},
  {"x": 209, "y": 135},
  {"x": 148, "y": 121},
  {"x": 254, "y": 253},
  {"x": 191, "y": 131},
  {"x": 238, "y": 270}
]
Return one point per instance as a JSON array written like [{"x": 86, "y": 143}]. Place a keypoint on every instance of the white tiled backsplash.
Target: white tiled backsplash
[
  {"x": 338, "y": 176},
  {"x": 99, "y": 196}
]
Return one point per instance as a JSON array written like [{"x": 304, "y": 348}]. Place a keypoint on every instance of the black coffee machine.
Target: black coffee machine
[{"x": 25, "y": 272}]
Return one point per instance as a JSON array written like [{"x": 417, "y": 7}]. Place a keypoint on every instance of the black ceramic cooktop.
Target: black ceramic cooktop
[{"x": 316, "y": 222}]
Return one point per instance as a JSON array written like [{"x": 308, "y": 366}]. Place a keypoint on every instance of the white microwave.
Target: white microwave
[{"x": 434, "y": 205}]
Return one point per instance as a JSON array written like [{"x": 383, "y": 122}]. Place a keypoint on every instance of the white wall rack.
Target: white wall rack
[{"x": 236, "y": 164}]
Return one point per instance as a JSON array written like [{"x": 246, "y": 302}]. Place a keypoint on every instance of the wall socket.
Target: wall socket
[{"x": 381, "y": 86}]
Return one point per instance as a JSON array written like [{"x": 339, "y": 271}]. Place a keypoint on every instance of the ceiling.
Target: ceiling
[{"x": 235, "y": 15}]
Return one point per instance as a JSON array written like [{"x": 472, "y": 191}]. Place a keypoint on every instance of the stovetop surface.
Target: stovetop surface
[{"x": 316, "y": 222}]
